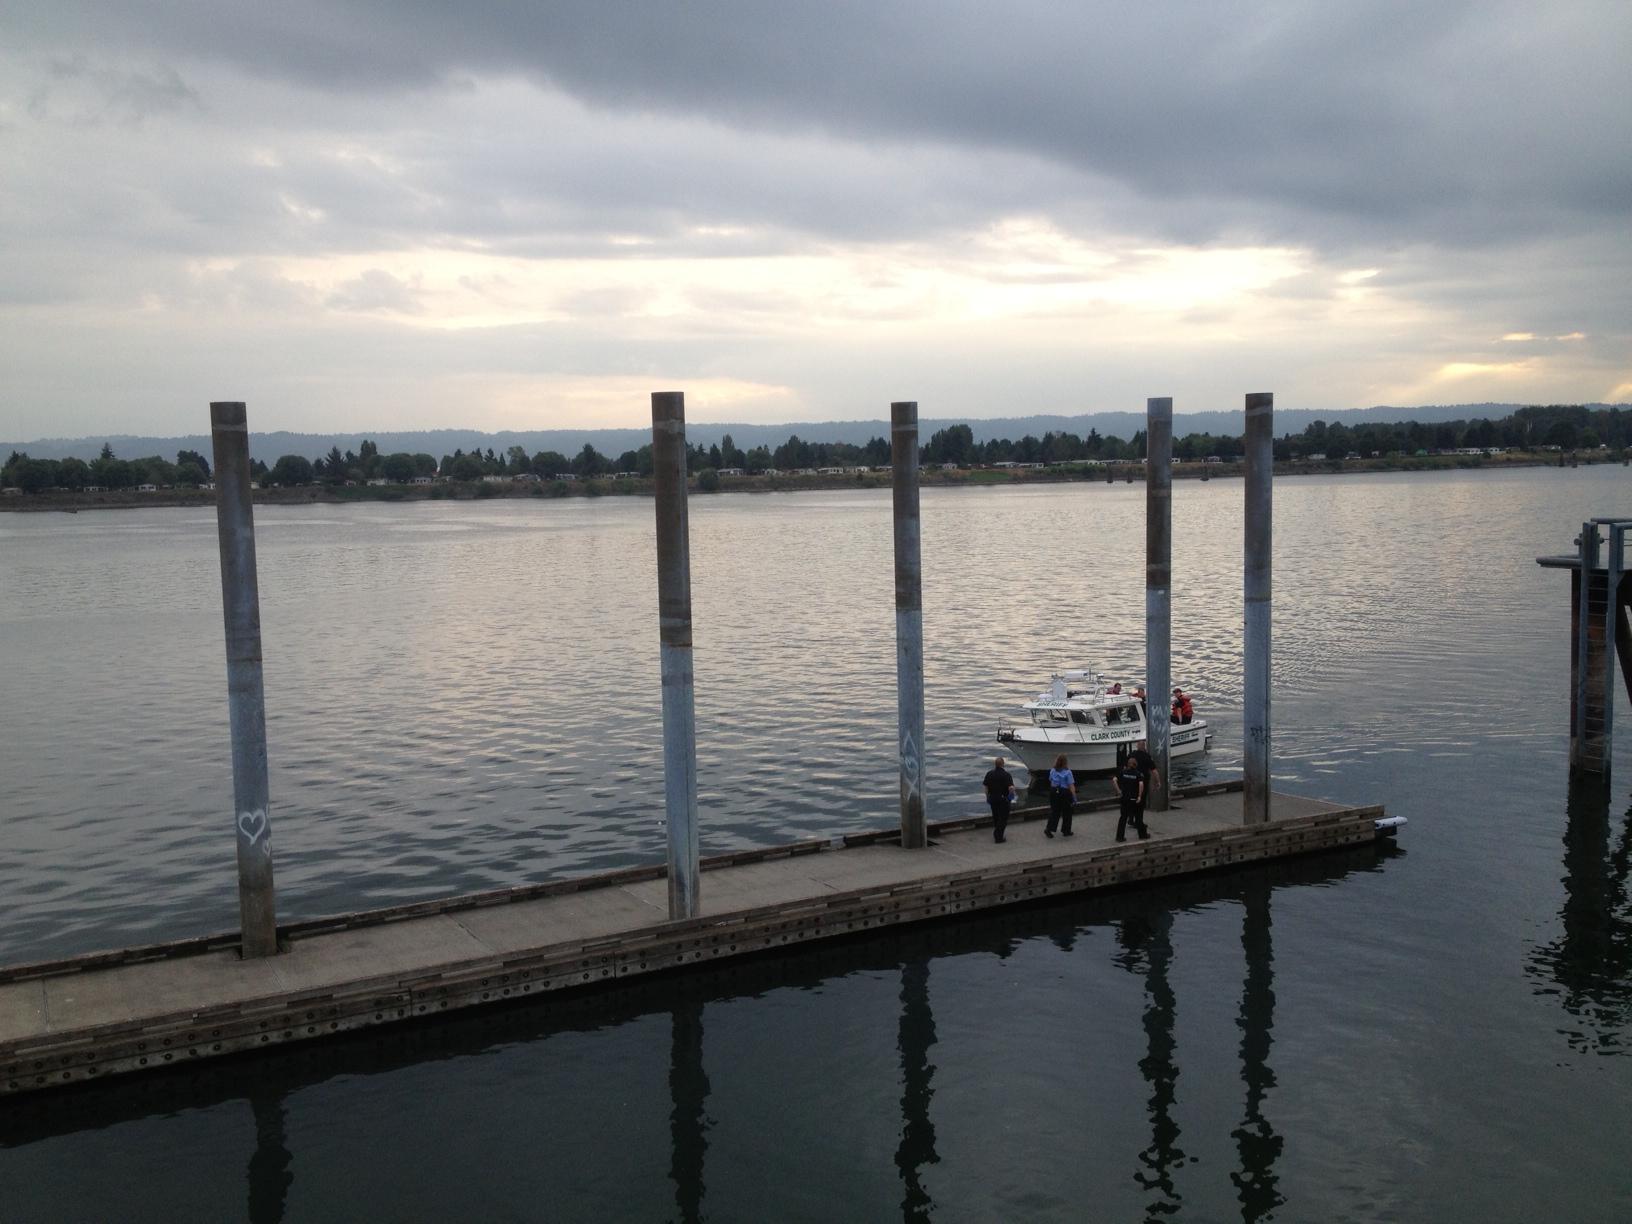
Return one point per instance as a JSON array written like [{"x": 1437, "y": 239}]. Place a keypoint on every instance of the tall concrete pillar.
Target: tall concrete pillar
[
  {"x": 1614, "y": 568},
  {"x": 674, "y": 628},
  {"x": 1259, "y": 550},
  {"x": 246, "y": 693},
  {"x": 909, "y": 623},
  {"x": 1586, "y": 715},
  {"x": 1159, "y": 587}
]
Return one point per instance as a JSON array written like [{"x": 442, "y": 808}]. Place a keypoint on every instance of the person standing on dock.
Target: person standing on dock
[
  {"x": 1062, "y": 798},
  {"x": 1140, "y": 757},
  {"x": 1129, "y": 785},
  {"x": 999, "y": 794}
]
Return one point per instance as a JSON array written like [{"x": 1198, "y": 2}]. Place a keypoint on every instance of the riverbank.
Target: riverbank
[{"x": 72, "y": 501}]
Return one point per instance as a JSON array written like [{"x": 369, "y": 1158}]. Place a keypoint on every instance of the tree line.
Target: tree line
[
  {"x": 1566, "y": 426},
  {"x": 105, "y": 471}
]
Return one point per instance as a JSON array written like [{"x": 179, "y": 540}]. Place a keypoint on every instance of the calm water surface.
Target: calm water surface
[{"x": 465, "y": 695}]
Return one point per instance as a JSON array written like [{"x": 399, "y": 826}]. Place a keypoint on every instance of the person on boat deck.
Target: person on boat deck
[
  {"x": 999, "y": 794},
  {"x": 1148, "y": 774},
  {"x": 1183, "y": 710},
  {"x": 1062, "y": 798},
  {"x": 1129, "y": 785}
]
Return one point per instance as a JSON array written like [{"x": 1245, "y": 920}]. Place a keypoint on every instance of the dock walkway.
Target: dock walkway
[{"x": 91, "y": 1016}]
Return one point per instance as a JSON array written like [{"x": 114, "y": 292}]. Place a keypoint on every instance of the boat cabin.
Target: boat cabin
[{"x": 1080, "y": 697}]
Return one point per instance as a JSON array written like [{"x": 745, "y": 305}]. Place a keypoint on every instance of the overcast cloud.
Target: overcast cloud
[{"x": 384, "y": 214}]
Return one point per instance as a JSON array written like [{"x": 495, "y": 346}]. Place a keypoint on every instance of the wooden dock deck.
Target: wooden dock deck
[{"x": 88, "y": 1017}]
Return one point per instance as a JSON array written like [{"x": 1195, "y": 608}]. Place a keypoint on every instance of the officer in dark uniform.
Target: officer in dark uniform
[
  {"x": 999, "y": 794},
  {"x": 1129, "y": 785},
  {"x": 1148, "y": 771}
]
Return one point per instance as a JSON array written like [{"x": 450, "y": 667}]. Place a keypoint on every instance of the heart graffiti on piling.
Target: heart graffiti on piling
[
  {"x": 909, "y": 763},
  {"x": 252, "y": 825}
]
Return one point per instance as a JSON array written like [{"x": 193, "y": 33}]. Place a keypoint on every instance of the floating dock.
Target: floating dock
[{"x": 89, "y": 1017}]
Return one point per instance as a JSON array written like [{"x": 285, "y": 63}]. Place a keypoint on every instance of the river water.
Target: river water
[{"x": 461, "y": 696}]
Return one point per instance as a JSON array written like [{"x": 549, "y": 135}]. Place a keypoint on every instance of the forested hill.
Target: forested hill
[{"x": 269, "y": 447}]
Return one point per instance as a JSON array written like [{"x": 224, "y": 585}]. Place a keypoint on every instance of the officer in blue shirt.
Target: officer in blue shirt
[{"x": 1062, "y": 798}]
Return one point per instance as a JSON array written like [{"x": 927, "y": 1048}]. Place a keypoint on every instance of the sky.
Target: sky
[{"x": 407, "y": 214}]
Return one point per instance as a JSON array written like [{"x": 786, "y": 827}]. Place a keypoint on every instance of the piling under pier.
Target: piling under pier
[{"x": 102, "y": 1014}]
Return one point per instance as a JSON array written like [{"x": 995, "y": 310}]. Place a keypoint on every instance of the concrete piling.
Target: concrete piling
[
  {"x": 1159, "y": 586},
  {"x": 1586, "y": 722},
  {"x": 246, "y": 694},
  {"x": 909, "y": 622},
  {"x": 674, "y": 628},
  {"x": 1614, "y": 568},
  {"x": 1600, "y": 633},
  {"x": 1598, "y": 606},
  {"x": 1259, "y": 549}
]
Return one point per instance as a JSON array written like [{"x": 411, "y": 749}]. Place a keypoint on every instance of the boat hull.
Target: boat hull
[{"x": 1037, "y": 747}]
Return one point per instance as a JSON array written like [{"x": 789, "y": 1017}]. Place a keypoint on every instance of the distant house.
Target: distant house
[
  {"x": 949, "y": 467},
  {"x": 103, "y": 488},
  {"x": 376, "y": 482},
  {"x": 566, "y": 476},
  {"x": 422, "y": 480},
  {"x": 1214, "y": 459},
  {"x": 633, "y": 475},
  {"x": 729, "y": 472},
  {"x": 495, "y": 480},
  {"x": 1316, "y": 455},
  {"x": 829, "y": 471},
  {"x": 11, "y": 491},
  {"x": 147, "y": 488},
  {"x": 1005, "y": 463},
  {"x": 525, "y": 478}
]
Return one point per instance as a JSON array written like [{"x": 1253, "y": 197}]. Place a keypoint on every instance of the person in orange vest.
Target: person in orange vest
[{"x": 1183, "y": 710}]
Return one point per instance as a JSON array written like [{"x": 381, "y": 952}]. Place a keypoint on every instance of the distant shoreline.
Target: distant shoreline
[{"x": 61, "y": 500}]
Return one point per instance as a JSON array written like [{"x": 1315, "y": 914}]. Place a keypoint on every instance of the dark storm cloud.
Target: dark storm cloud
[
  {"x": 822, "y": 198},
  {"x": 1460, "y": 122}
]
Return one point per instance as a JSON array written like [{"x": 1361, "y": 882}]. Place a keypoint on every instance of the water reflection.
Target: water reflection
[
  {"x": 1255, "y": 1139},
  {"x": 1147, "y": 948},
  {"x": 1143, "y": 925},
  {"x": 269, "y": 1167},
  {"x": 688, "y": 1091},
  {"x": 914, "y": 1039},
  {"x": 1591, "y": 961}
]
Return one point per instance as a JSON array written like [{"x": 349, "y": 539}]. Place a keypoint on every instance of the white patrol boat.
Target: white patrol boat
[{"x": 1089, "y": 720}]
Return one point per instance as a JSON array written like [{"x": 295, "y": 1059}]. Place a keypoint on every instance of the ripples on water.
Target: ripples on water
[{"x": 465, "y": 695}]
